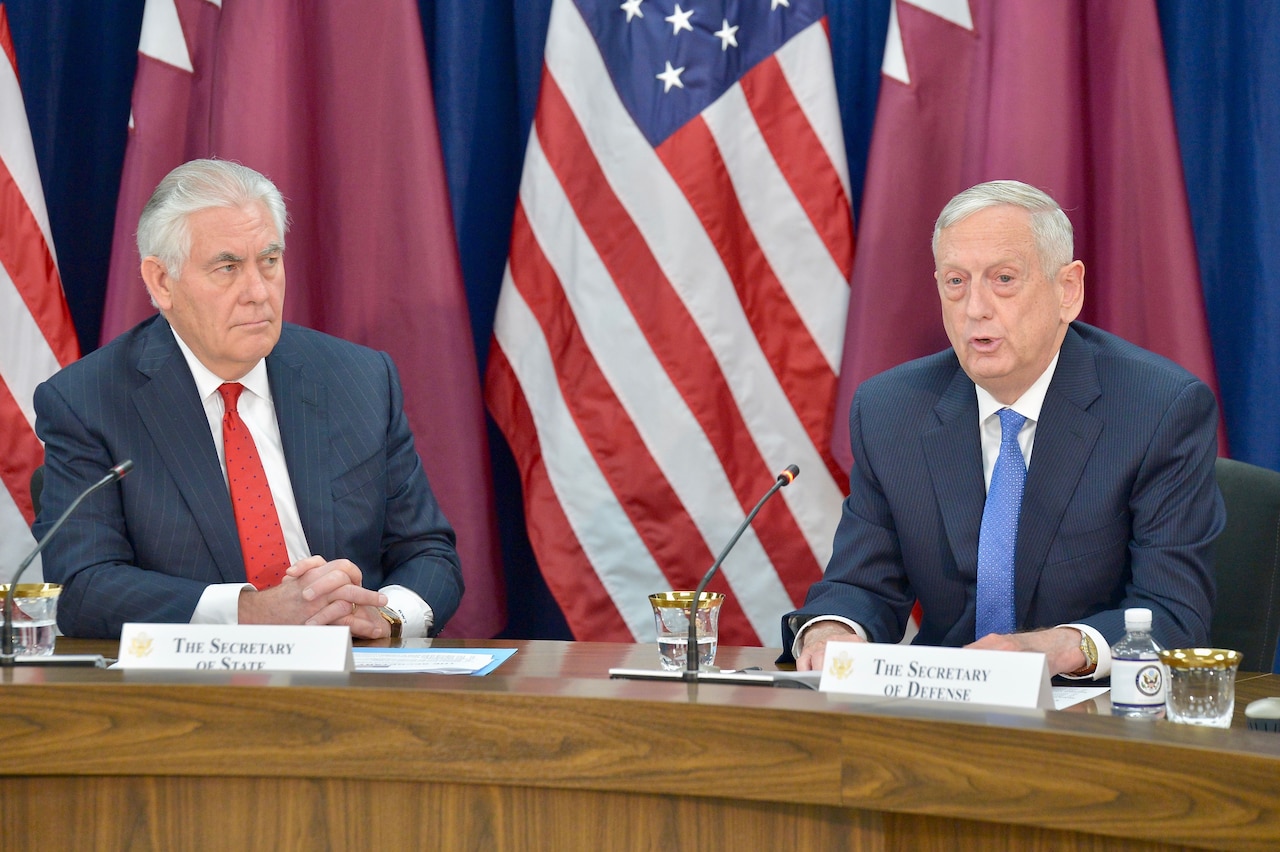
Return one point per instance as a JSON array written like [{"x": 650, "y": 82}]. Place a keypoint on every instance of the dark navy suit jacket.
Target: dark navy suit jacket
[
  {"x": 1119, "y": 510},
  {"x": 144, "y": 550}
]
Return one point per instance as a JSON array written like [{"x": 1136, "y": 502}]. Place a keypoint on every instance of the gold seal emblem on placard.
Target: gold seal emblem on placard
[
  {"x": 140, "y": 645},
  {"x": 841, "y": 666}
]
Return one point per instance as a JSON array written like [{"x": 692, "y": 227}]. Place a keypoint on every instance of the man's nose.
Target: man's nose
[
  {"x": 978, "y": 302},
  {"x": 254, "y": 286}
]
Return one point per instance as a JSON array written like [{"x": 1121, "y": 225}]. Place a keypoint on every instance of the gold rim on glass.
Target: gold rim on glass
[
  {"x": 680, "y": 600},
  {"x": 1201, "y": 658},
  {"x": 33, "y": 590}
]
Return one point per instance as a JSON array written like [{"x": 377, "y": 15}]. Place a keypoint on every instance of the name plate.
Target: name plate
[
  {"x": 236, "y": 647},
  {"x": 958, "y": 675}
]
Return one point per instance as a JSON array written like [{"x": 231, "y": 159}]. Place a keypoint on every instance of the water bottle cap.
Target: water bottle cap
[{"x": 1137, "y": 618}]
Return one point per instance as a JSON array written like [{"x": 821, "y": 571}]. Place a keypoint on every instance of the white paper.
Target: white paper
[
  {"x": 427, "y": 660},
  {"x": 1067, "y": 696}
]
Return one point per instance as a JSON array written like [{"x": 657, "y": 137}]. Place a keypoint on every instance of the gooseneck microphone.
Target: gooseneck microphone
[
  {"x": 7, "y": 656},
  {"x": 787, "y": 476}
]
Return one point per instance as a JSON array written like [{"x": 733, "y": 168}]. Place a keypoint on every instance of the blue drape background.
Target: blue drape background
[{"x": 76, "y": 59}]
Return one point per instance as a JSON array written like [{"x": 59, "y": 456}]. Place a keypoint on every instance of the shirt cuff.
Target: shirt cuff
[
  {"x": 1104, "y": 654},
  {"x": 415, "y": 613},
  {"x": 219, "y": 604},
  {"x": 798, "y": 645}
]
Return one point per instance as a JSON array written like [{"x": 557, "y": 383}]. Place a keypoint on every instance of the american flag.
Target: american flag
[
  {"x": 36, "y": 334},
  {"x": 672, "y": 315}
]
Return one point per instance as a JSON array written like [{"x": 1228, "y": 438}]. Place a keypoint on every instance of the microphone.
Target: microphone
[
  {"x": 7, "y": 656},
  {"x": 786, "y": 477}
]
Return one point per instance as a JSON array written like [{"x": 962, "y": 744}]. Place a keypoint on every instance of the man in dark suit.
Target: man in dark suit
[
  {"x": 1115, "y": 448},
  {"x": 345, "y": 530}
]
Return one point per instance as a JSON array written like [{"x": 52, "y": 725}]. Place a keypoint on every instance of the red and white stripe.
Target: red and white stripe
[
  {"x": 668, "y": 339},
  {"x": 37, "y": 337}
]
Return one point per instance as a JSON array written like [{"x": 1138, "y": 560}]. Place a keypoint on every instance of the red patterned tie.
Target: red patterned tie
[{"x": 261, "y": 540}]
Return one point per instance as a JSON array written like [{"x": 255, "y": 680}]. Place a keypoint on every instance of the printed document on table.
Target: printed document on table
[
  {"x": 466, "y": 661},
  {"x": 1063, "y": 696}
]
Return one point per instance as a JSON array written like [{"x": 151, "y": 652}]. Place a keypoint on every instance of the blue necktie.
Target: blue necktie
[{"x": 998, "y": 538}]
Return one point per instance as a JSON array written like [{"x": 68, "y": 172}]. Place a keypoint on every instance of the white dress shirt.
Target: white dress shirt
[{"x": 220, "y": 602}]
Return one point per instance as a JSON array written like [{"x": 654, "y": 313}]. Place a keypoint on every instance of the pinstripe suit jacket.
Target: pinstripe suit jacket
[
  {"x": 146, "y": 549},
  {"x": 1120, "y": 506}
]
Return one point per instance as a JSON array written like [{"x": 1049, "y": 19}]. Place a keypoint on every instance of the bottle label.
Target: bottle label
[{"x": 1137, "y": 683}]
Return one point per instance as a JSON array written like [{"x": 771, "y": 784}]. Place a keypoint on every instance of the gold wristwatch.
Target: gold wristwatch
[
  {"x": 393, "y": 619},
  {"x": 1090, "y": 652}
]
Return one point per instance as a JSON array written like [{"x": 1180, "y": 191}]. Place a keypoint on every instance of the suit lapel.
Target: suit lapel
[
  {"x": 304, "y": 431},
  {"x": 954, "y": 452},
  {"x": 1065, "y": 437},
  {"x": 171, "y": 410}
]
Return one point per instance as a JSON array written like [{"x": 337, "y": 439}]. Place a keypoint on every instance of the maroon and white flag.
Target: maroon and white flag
[
  {"x": 332, "y": 101},
  {"x": 671, "y": 320},
  {"x": 37, "y": 337},
  {"x": 1072, "y": 98}
]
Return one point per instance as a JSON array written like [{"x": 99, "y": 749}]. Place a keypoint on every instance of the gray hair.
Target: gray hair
[
  {"x": 199, "y": 185},
  {"x": 1050, "y": 227}
]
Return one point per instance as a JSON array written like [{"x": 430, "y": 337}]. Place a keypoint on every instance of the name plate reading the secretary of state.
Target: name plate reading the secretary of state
[
  {"x": 236, "y": 647},
  {"x": 959, "y": 675}
]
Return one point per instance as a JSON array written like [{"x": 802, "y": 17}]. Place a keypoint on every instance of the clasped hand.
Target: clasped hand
[{"x": 315, "y": 591}]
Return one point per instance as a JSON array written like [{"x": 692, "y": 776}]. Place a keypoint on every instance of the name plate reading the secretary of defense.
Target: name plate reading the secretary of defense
[
  {"x": 959, "y": 675},
  {"x": 236, "y": 647}
]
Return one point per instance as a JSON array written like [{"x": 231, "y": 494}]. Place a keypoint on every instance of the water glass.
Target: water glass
[
  {"x": 671, "y": 619},
  {"x": 1201, "y": 687},
  {"x": 35, "y": 617}
]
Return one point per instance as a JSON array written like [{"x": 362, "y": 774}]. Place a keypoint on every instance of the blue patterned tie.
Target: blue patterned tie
[{"x": 998, "y": 538}]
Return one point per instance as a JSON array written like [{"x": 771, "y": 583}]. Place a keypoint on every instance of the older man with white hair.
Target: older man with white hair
[{"x": 1030, "y": 483}]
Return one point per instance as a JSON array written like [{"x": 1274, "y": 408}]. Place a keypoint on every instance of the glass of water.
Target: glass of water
[
  {"x": 671, "y": 619},
  {"x": 35, "y": 617},
  {"x": 1201, "y": 687}
]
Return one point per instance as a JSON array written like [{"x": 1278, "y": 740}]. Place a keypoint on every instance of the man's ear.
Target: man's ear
[
  {"x": 1071, "y": 280},
  {"x": 159, "y": 284}
]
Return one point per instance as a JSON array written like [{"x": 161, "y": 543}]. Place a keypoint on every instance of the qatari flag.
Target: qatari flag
[
  {"x": 1070, "y": 97},
  {"x": 332, "y": 101}
]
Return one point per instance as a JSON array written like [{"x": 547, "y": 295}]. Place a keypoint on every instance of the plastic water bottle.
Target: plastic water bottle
[{"x": 1137, "y": 675}]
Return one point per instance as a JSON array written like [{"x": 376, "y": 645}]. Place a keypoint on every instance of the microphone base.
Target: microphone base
[
  {"x": 798, "y": 680},
  {"x": 54, "y": 661}
]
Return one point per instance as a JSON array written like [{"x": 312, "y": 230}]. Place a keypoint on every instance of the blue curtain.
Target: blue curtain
[
  {"x": 76, "y": 61},
  {"x": 77, "y": 57},
  {"x": 1224, "y": 72}
]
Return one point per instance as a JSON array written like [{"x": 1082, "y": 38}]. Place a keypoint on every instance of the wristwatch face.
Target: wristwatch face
[
  {"x": 1089, "y": 650},
  {"x": 393, "y": 619}
]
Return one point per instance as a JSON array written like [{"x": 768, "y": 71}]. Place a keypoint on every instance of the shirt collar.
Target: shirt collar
[
  {"x": 207, "y": 383},
  {"x": 1028, "y": 405}
]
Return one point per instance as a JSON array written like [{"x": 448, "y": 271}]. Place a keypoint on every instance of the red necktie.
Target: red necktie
[{"x": 261, "y": 539}]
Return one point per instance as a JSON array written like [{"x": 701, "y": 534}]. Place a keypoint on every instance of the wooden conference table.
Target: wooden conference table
[{"x": 548, "y": 753}]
